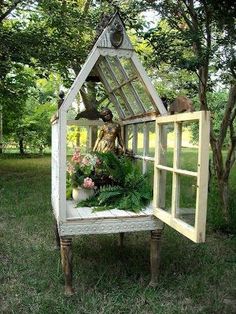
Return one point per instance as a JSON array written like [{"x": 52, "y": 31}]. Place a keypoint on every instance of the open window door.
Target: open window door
[{"x": 181, "y": 173}]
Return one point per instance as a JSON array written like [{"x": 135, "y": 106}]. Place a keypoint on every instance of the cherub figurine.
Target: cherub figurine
[{"x": 108, "y": 134}]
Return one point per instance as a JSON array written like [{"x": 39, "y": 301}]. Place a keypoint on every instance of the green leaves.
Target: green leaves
[{"x": 130, "y": 190}]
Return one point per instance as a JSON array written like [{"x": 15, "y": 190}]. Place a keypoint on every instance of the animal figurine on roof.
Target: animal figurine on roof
[{"x": 181, "y": 104}]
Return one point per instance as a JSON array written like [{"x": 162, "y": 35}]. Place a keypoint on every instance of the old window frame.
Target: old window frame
[{"x": 196, "y": 233}]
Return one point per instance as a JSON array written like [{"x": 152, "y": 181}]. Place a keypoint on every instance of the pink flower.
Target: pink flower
[
  {"x": 88, "y": 183},
  {"x": 70, "y": 168},
  {"x": 76, "y": 157},
  {"x": 85, "y": 161}
]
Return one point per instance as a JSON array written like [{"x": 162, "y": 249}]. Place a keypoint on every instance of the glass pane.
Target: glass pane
[
  {"x": 132, "y": 101},
  {"x": 129, "y": 136},
  {"x": 140, "y": 139},
  {"x": 187, "y": 199},
  {"x": 107, "y": 75},
  {"x": 152, "y": 136},
  {"x": 116, "y": 70},
  {"x": 168, "y": 129},
  {"x": 165, "y": 190},
  {"x": 122, "y": 103},
  {"x": 143, "y": 95},
  {"x": 189, "y": 146},
  {"x": 128, "y": 67}
]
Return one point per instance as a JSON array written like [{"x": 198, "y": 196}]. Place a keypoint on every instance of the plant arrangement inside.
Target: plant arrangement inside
[{"x": 117, "y": 181}]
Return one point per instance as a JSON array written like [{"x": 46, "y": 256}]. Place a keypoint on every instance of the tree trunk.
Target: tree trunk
[
  {"x": 21, "y": 146},
  {"x": 1, "y": 131},
  {"x": 224, "y": 195},
  {"x": 202, "y": 89}
]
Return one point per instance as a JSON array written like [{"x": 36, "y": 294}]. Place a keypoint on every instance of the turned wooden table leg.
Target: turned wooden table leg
[
  {"x": 66, "y": 260},
  {"x": 155, "y": 256},
  {"x": 57, "y": 238}
]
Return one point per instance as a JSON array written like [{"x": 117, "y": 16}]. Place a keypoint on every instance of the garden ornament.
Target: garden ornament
[
  {"x": 181, "y": 104},
  {"x": 108, "y": 134}
]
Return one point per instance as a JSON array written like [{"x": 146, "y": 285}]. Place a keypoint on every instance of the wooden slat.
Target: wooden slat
[
  {"x": 203, "y": 171},
  {"x": 85, "y": 122},
  {"x": 62, "y": 164},
  {"x": 80, "y": 79},
  {"x": 140, "y": 118},
  {"x": 144, "y": 157},
  {"x": 180, "y": 117},
  {"x": 179, "y": 225},
  {"x": 179, "y": 171},
  {"x": 126, "y": 82},
  {"x": 145, "y": 145},
  {"x": 135, "y": 138}
]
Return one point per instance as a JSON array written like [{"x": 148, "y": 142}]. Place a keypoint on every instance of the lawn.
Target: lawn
[{"x": 195, "y": 278}]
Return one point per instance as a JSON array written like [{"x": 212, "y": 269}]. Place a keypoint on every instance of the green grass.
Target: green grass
[{"x": 193, "y": 279}]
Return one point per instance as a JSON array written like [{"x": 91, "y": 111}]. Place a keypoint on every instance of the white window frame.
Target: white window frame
[{"x": 196, "y": 233}]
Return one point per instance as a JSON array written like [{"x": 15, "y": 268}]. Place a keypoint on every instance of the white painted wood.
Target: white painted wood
[
  {"x": 111, "y": 52},
  {"x": 73, "y": 212},
  {"x": 179, "y": 171},
  {"x": 135, "y": 139},
  {"x": 180, "y": 117},
  {"x": 203, "y": 172},
  {"x": 156, "y": 183},
  {"x": 145, "y": 145},
  {"x": 163, "y": 158},
  {"x": 147, "y": 118},
  {"x": 62, "y": 164},
  {"x": 177, "y": 224},
  {"x": 109, "y": 225},
  {"x": 147, "y": 82},
  {"x": 85, "y": 122},
  {"x": 80, "y": 79},
  {"x": 104, "y": 39},
  {"x": 55, "y": 170},
  {"x": 144, "y": 157},
  {"x": 125, "y": 82},
  {"x": 196, "y": 233}
]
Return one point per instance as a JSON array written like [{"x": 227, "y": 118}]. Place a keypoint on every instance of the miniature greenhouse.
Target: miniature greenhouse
[{"x": 136, "y": 106}]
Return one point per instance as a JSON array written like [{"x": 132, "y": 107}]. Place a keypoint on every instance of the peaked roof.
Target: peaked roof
[{"x": 111, "y": 48}]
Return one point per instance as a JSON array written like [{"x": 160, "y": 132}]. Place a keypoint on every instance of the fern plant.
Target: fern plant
[{"x": 130, "y": 190}]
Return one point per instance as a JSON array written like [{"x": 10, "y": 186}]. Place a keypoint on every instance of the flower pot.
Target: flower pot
[{"x": 81, "y": 194}]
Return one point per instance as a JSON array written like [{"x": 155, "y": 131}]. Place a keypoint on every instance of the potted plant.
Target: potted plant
[{"x": 80, "y": 175}]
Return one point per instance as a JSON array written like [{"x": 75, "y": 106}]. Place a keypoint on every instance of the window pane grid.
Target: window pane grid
[{"x": 189, "y": 188}]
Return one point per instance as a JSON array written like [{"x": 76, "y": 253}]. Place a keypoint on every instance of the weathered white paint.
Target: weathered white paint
[
  {"x": 111, "y": 52},
  {"x": 104, "y": 39},
  {"x": 55, "y": 169},
  {"x": 80, "y": 79},
  {"x": 145, "y": 118},
  {"x": 85, "y": 122},
  {"x": 203, "y": 172}
]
